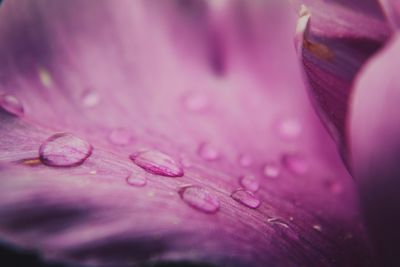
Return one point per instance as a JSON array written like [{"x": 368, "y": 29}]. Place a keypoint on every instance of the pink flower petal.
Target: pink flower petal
[
  {"x": 374, "y": 137},
  {"x": 334, "y": 44}
]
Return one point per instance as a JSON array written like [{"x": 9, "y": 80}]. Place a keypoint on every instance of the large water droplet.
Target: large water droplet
[
  {"x": 246, "y": 198},
  {"x": 11, "y": 104},
  {"x": 245, "y": 160},
  {"x": 136, "y": 179},
  {"x": 249, "y": 182},
  {"x": 271, "y": 170},
  {"x": 295, "y": 163},
  {"x": 208, "y": 152},
  {"x": 90, "y": 98},
  {"x": 120, "y": 137},
  {"x": 200, "y": 198},
  {"x": 64, "y": 150},
  {"x": 156, "y": 162},
  {"x": 290, "y": 128},
  {"x": 196, "y": 102}
]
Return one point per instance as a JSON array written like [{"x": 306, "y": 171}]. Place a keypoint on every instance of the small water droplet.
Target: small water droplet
[
  {"x": 246, "y": 198},
  {"x": 290, "y": 128},
  {"x": 271, "y": 170},
  {"x": 90, "y": 98},
  {"x": 156, "y": 162},
  {"x": 64, "y": 150},
  {"x": 11, "y": 104},
  {"x": 136, "y": 179},
  {"x": 295, "y": 163},
  {"x": 245, "y": 160},
  {"x": 278, "y": 221},
  {"x": 120, "y": 137},
  {"x": 348, "y": 236},
  {"x": 334, "y": 187},
  {"x": 317, "y": 227},
  {"x": 208, "y": 152},
  {"x": 93, "y": 172},
  {"x": 249, "y": 182},
  {"x": 196, "y": 102},
  {"x": 200, "y": 198},
  {"x": 45, "y": 77},
  {"x": 283, "y": 228}
]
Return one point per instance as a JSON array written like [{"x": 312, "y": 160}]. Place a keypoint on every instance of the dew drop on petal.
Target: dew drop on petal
[
  {"x": 208, "y": 152},
  {"x": 200, "y": 199},
  {"x": 289, "y": 128},
  {"x": 245, "y": 160},
  {"x": 271, "y": 170},
  {"x": 64, "y": 150},
  {"x": 334, "y": 187},
  {"x": 317, "y": 227},
  {"x": 120, "y": 137},
  {"x": 249, "y": 182},
  {"x": 196, "y": 102},
  {"x": 136, "y": 179},
  {"x": 90, "y": 98},
  {"x": 45, "y": 77},
  {"x": 11, "y": 104},
  {"x": 278, "y": 221},
  {"x": 283, "y": 227},
  {"x": 295, "y": 163},
  {"x": 156, "y": 162},
  {"x": 246, "y": 198}
]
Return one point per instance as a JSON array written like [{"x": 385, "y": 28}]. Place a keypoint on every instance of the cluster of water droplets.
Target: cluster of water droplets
[{"x": 69, "y": 150}]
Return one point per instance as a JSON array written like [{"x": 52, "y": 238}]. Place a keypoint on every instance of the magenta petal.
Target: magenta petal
[
  {"x": 375, "y": 145},
  {"x": 174, "y": 76},
  {"x": 334, "y": 44},
  {"x": 392, "y": 10}
]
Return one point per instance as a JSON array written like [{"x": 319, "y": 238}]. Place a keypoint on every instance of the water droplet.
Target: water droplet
[
  {"x": 64, "y": 150},
  {"x": 120, "y": 137},
  {"x": 283, "y": 228},
  {"x": 278, "y": 221},
  {"x": 200, "y": 198},
  {"x": 290, "y": 128},
  {"x": 136, "y": 179},
  {"x": 246, "y": 198},
  {"x": 334, "y": 187},
  {"x": 245, "y": 160},
  {"x": 156, "y": 162},
  {"x": 196, "y": 102},
  {"x": 295, "y": 163},
  {"x": 271, "y": 170},
  {"x": 45, "y": 77},
  {"x": 249, "y": 182},
  {"x": 208, "y": 152},
  {"x": 317, "y": 227},
  {"x": 11, "y": 104},
  {"x": 90, "y": 98}
]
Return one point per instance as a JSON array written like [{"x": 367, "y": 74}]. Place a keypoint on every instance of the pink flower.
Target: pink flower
[{"x": 136, "y": 133}]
